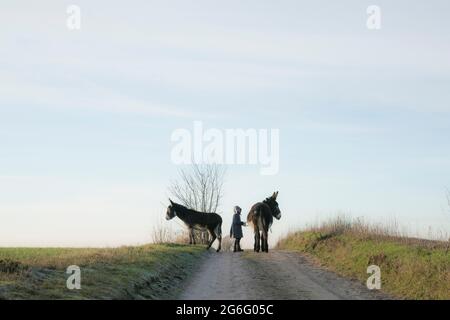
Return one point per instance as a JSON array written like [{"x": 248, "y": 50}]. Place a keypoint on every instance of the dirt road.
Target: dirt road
[{"x": 276, "y": 275}]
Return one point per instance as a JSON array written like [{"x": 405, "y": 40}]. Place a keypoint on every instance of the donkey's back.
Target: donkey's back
[
  {"x": 260, "y": 217},
  {"x": 204, "y": 220}
]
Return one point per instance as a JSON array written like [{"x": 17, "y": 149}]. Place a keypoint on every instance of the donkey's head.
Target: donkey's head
[
  {"x": 273, "y": 205},
  {"x": 171, "y": 213}
]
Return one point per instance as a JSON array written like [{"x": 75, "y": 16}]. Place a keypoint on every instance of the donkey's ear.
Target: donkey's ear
[
  {"x": 171, "y": 202},
  {"x": 275, "y": 195}
]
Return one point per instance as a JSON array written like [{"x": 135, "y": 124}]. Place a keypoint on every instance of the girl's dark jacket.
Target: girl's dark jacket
[{"x": 236, "y": 226}]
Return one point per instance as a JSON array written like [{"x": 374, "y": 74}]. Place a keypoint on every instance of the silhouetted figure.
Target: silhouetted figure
[{"x": 236, "y": 229}]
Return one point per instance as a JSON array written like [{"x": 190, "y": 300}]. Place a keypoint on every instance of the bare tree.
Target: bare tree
[{"x": 200, "y": 187}]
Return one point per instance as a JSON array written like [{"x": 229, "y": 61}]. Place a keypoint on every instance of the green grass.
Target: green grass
[
  {"x": 410, "y": 268},
  {"x": 144, "y": 272}
]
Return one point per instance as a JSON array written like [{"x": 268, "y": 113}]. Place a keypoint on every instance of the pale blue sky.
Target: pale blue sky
[{"x": 86, "y": 116}]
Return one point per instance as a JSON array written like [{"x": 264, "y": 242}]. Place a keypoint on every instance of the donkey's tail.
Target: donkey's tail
[{"x": 263, "y": 221}]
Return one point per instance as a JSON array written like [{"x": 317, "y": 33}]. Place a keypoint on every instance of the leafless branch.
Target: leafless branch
[{"x": 200, "y": 187}]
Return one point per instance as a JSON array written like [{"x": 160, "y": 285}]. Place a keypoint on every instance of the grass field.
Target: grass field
[
  {"x": 410, "y": 268},
  {"x": 150, "y": 272}
]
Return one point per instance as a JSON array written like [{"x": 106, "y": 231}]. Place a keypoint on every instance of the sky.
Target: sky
[{"x": 86, "y": 116}]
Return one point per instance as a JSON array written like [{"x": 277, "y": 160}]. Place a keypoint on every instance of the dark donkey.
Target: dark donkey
[
  {"x": 261, "y": 217},
  {"x": 197, "y": 220}
]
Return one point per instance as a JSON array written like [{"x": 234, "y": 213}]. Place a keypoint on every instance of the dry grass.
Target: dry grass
[
  {"x": 150, "y": 271},
  {"x": 361, "y": 229},
  {"x": 163, "y": 233},
  {"x": 410, "y": 267},
  {"x": 227, "y": 243}
]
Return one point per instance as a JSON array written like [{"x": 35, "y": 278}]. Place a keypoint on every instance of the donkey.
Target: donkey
[
  {"x": 197, "y": 220},
  {"x": 261, "y": 217}
]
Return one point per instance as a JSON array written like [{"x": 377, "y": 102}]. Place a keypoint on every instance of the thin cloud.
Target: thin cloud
[{"x": 95, "y": 99}]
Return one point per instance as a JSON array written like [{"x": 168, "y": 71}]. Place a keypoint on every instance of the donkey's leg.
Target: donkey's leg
[
  {"x": 220, "y": 243},
  {"x": 218, "y": 232},
  {"x": 193, "y": 235},
  {"x": 257, "y": 240},
  {"x": 260, "y": 241},
  {"x": 190, "y": 235},
  {"x": 213, "y": 238},
  {"x": 254, "y": 243},
  {"x": 265, "y": 242}
]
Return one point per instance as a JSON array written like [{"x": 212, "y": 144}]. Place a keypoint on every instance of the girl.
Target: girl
[{"x": 236, "y": 229}]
